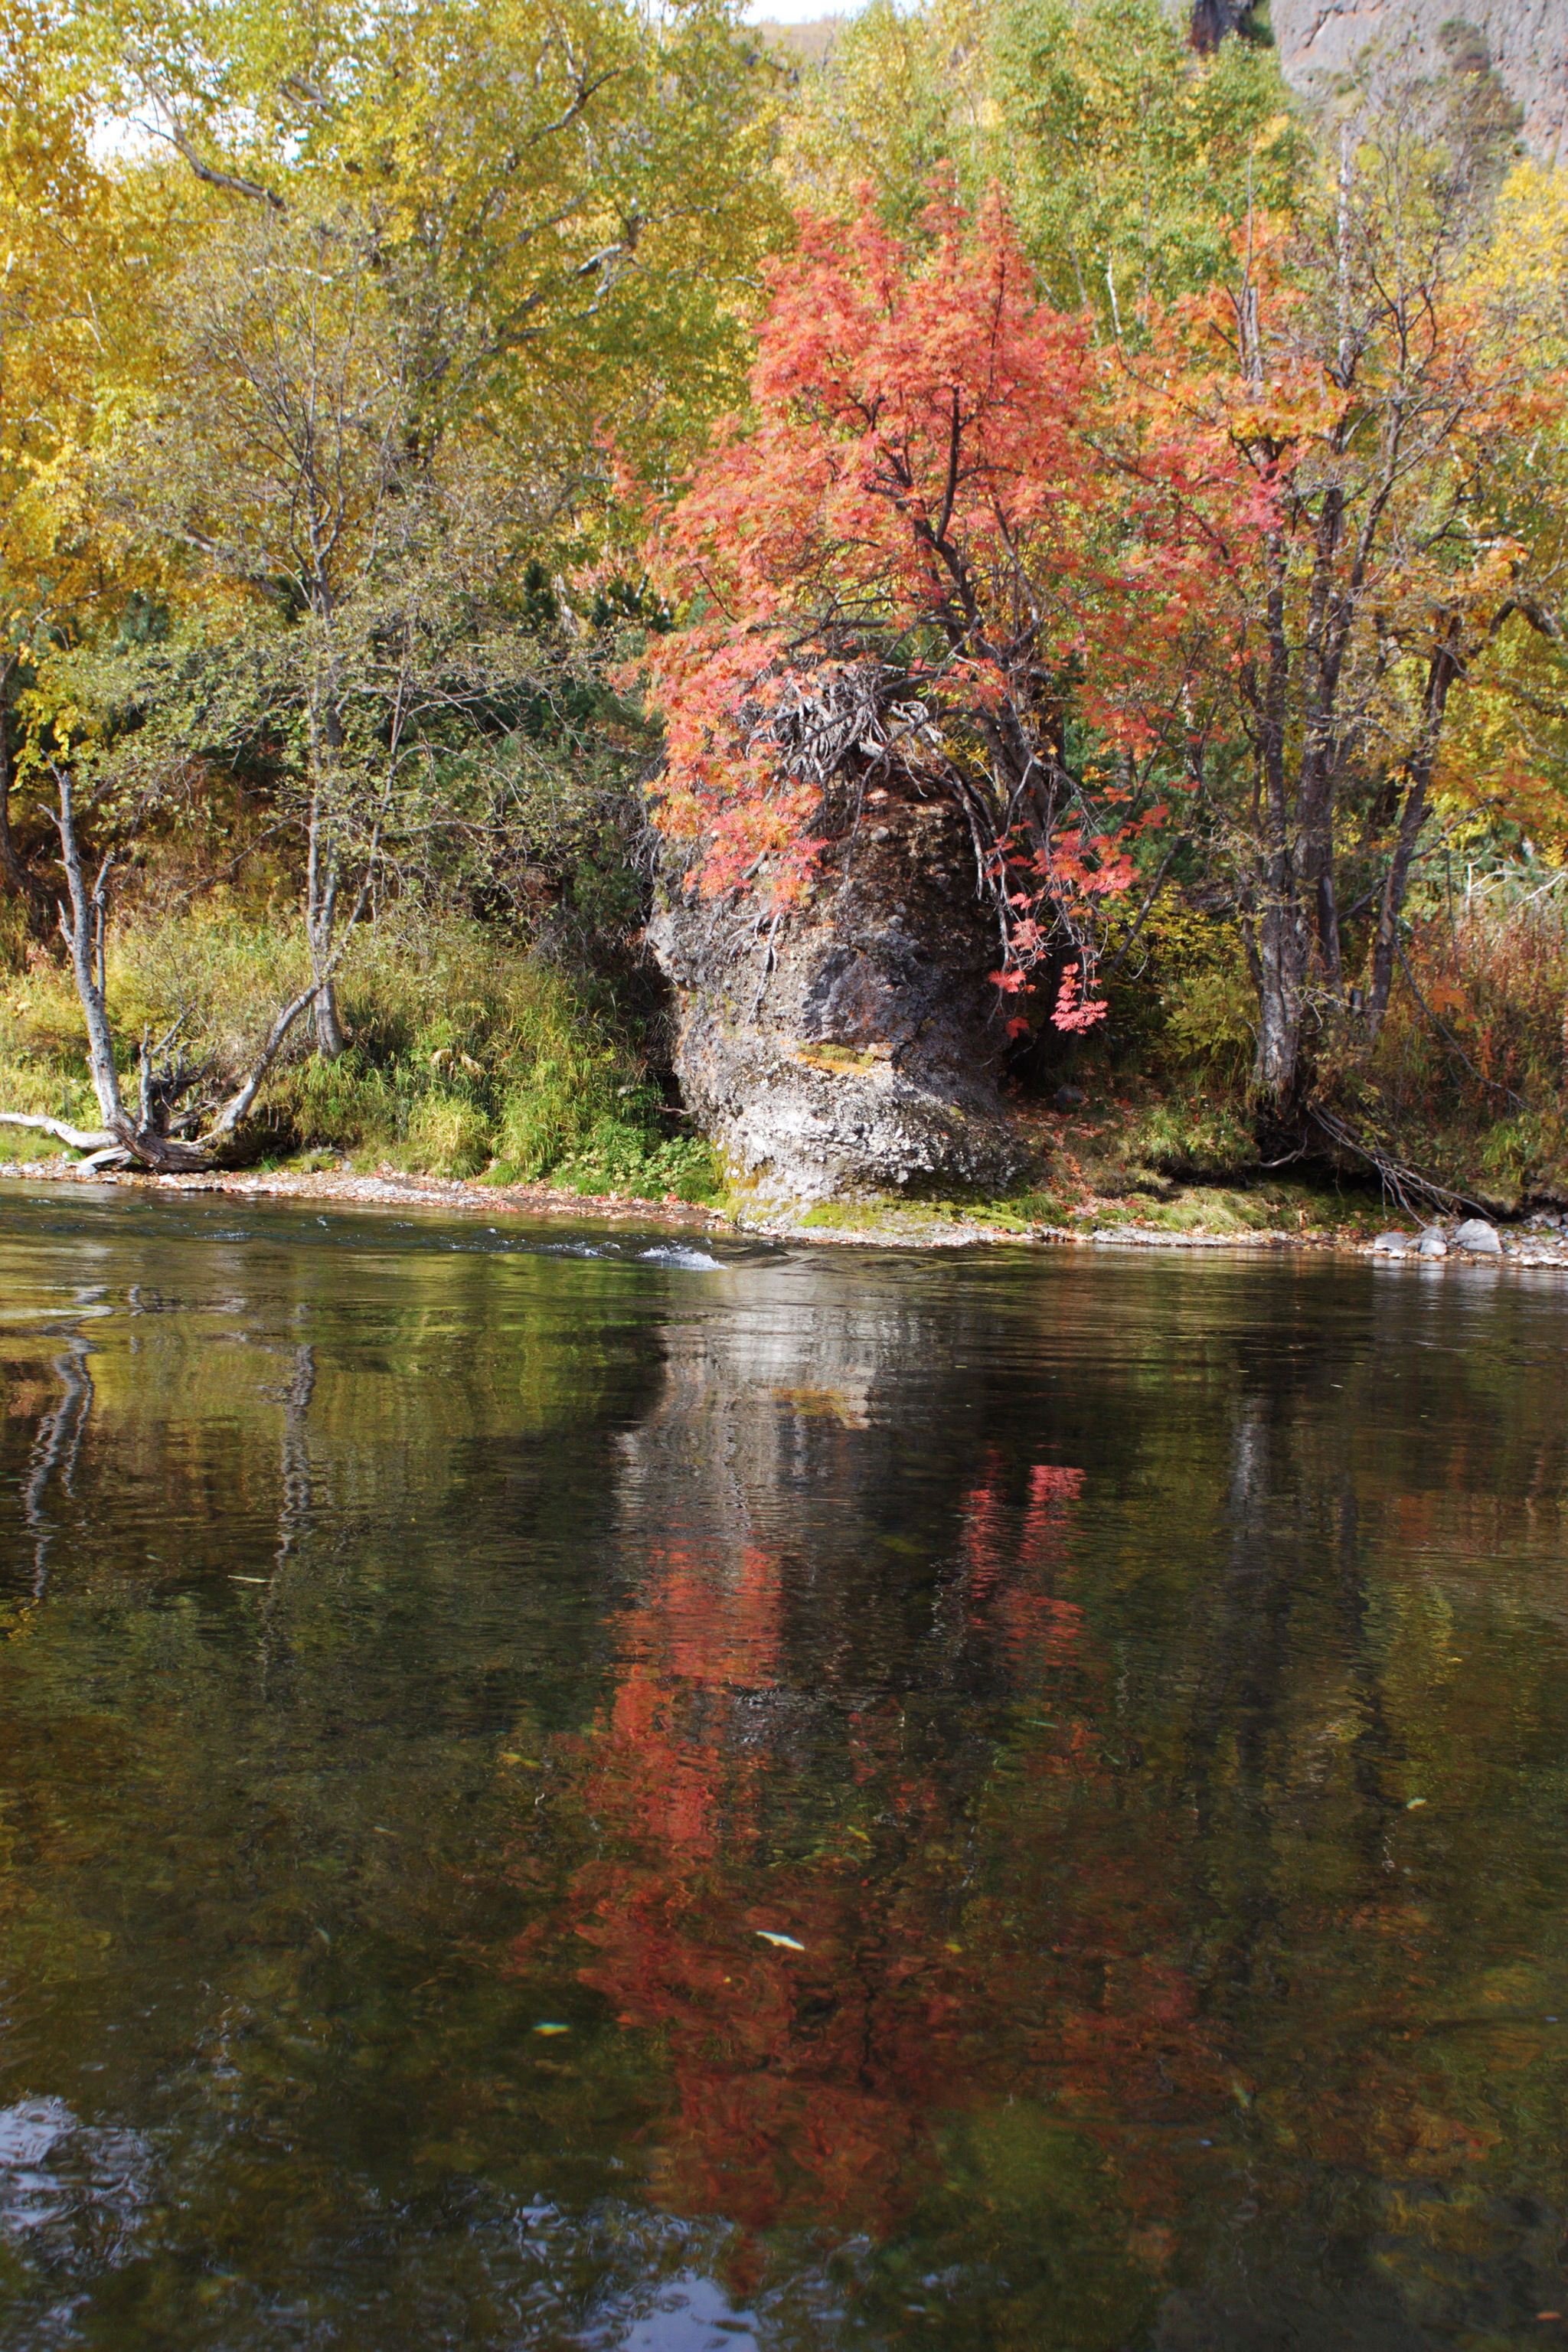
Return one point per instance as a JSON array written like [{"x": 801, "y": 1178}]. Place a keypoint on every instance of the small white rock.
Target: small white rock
[
  {"x": 1395, "y": 1244},
  {"x": 1432, "y": 1244}
]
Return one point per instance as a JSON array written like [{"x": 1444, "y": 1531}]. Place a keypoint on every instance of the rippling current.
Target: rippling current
[{"x": 570, "y": 1788}]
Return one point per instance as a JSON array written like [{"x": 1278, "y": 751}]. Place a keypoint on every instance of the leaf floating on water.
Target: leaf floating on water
[
  {"x": 548, "y": 2025},
  {"x": 785, "y": 1943},
  {"x": 1410, "y": 1807}
]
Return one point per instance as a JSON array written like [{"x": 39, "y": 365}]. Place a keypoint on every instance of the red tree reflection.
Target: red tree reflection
[{"x": 970, "y": 1934}]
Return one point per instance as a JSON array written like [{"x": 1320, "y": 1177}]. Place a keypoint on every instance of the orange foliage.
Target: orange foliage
[{"x": 917, "y": 501}]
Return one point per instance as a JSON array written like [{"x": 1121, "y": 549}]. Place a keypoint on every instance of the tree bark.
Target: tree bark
[
  {"x": 83, "y": 936},
  {"x": 323, "y": 865},
  {"x": 321, "y": 921},
  {"x": 1280, "y": 947},
  {"x": 1279, "y": 1068},
  {"x": 1446, "y": 666},
  {"x": 81, "y": 1139}
]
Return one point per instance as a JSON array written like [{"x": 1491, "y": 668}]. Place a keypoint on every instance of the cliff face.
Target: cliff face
[{"x": 1524, "y": 42}]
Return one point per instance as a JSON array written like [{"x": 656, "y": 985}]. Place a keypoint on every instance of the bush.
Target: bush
[
  {"x": 469, "y": 1052},
  {"x": 1193, "y": 1137},
  {"x": 1187, "y": 997},
  {"x": 1471, "y": 1068}
]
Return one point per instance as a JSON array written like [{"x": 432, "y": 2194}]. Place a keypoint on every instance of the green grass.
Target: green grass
[{"x": 470, "y": 1056}]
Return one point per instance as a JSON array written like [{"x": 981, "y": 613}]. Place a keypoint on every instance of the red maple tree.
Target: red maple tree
[{"x": 894, "y": 572}]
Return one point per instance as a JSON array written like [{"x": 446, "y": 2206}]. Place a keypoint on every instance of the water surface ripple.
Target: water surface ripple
[{"x": 574, "y": 1790}]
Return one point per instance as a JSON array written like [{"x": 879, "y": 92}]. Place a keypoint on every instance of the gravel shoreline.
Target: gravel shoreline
[{"x": 388, "y": 1186}]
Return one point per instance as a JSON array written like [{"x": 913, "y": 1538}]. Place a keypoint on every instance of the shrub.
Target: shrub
[
  {"x": 1193, "y": 1137},
  {"x": 1471, "y": 1068},
  {"x": 469, "y": 1051}
]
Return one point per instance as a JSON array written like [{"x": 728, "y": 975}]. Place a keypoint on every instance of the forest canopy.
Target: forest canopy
[{"x": 445, "y": 449}]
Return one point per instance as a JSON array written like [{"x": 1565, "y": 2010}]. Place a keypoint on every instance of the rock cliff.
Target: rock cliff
[{"x": 1524, "y": 42}]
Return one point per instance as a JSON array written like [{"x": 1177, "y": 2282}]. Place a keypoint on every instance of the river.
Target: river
[{"x": 569, "y": 1788}]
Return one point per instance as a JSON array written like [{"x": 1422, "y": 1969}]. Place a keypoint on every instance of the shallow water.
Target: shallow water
[{"x": 567, "y": 1788}]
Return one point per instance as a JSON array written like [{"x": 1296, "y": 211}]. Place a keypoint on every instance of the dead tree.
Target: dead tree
[{"x": 164, "y": 1137}]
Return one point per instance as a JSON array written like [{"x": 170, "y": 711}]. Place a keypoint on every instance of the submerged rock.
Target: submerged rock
[
  {"x": 851, "y": 1046},
  {"x": 1477, "y": 1235}
]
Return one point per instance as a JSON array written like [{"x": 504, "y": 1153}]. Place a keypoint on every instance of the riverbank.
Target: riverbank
[{"x": 1190, "y": 1217}]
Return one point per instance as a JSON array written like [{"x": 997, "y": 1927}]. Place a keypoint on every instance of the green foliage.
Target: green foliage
[
  {"x": 1128, "y": 161},
  {"x": 900, "y": 96},
  {"x": 468, "y": 1057},
  {"x": 588, "y": 178},
  {"x": 1211, "y": 1016},
  {"x": 1186, "y": 995},
  {"x": 1193, "y": 1136}
]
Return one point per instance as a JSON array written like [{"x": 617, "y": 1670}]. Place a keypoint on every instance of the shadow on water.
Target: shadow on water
[{"x": 568, "y": 1789}]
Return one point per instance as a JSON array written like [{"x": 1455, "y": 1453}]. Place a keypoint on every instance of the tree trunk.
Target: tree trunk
[
  {"x": 1445, "y": 667},
  {"x": 1278, "y": 1069},
  {"x": 83, "y": 935},
  {"x": 321, "y": 921},
  {"x": 330, "y": 1037},
  {"x": 1281, "y": 948}
]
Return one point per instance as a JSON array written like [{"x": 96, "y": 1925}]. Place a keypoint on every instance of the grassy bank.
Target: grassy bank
[
  {"x": 470, "y": 1056},
  {"x": 475, "y": 1055}
]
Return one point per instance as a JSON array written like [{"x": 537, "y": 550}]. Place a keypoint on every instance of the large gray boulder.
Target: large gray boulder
[{"x": 851, "y": 1047}]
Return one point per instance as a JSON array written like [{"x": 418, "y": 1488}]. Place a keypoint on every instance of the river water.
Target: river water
[{"x": 563, "y": 1787}]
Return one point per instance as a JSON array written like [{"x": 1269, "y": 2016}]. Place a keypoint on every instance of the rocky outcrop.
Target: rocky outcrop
[
  {"x": 851, "y": 1047},
  {"x": 1524, "y": 42}
]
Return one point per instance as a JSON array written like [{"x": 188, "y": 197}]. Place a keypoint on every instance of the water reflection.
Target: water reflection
[
  {"x": 554, "y": 1795},
  {"x": 69, "y": 2193},
  {"x": 54, "y": 1456}
]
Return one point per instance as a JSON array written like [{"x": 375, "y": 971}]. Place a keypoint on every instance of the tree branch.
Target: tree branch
[
  {"x": 231, "y": 183},
  {"x": 79, "y": 1138}
]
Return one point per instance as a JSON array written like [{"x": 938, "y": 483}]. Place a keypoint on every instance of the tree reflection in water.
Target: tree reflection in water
[
  {"x": 1044, "y": 1807},
  {"x": 988, "y": 1977}
]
